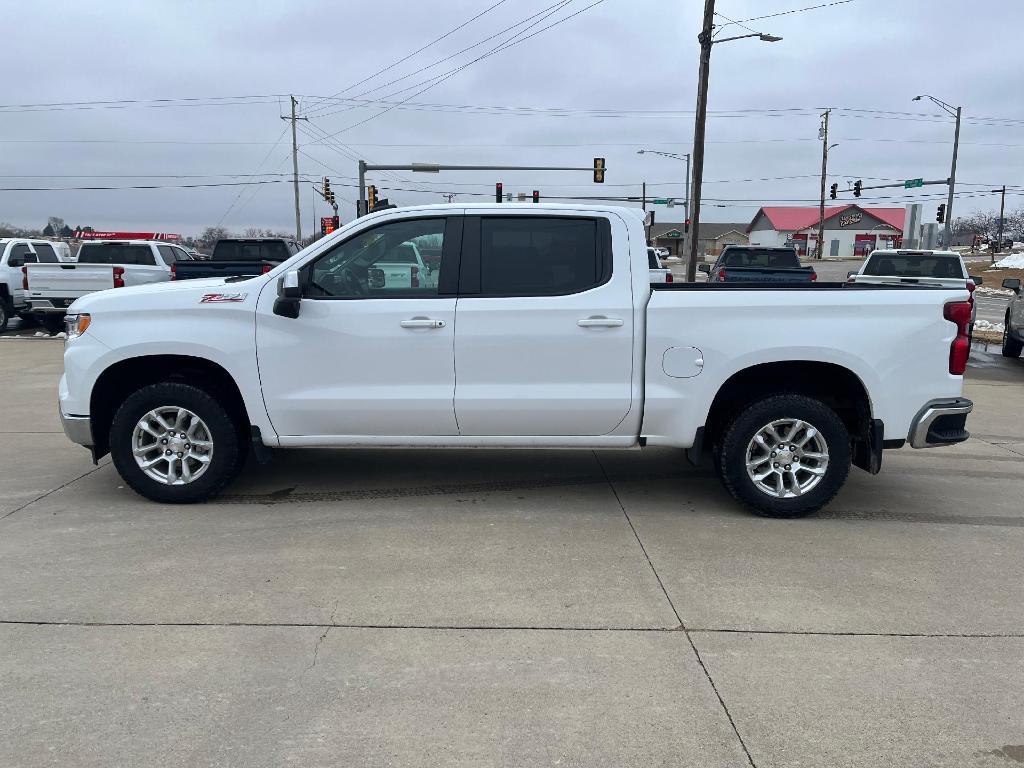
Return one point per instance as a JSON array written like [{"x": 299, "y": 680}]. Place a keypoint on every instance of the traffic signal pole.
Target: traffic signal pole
[
  {"x": 948, "y": 243},
  {"x": 820, "y": 250}
]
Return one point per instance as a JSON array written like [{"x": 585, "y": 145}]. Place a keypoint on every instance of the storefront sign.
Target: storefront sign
[{"x": 850, "y": 218}]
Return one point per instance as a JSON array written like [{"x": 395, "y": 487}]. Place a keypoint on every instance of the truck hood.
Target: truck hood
[{"x": 177, "y": 292}]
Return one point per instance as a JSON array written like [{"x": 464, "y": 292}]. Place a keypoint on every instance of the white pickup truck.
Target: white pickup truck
[
  {"x": 542, "y": 331},
  {"x": 15, "y": 253},
  {"x": 101, "y": 265}
]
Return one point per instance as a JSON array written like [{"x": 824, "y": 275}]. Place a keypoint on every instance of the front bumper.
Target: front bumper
[
  {"x": 941, "y": 422},
  {"x": 78, "y": 429}
]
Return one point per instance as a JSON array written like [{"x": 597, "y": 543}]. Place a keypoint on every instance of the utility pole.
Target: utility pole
[
  {"x": 686, "y": 205},
  {"x": 644, "y": 196},
  {"x": 820, "y": 250},
  {"x": 295, "y": 167},
  {"x": 999, "y": 229},
  {"x": 952, "y": 183},
  {"x": 700, "y": 124}
]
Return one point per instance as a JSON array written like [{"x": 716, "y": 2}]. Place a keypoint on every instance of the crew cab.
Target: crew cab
[
  {"x": 1013, "y": 323},
  {"x": 238, "y": 257},
  {"x": 52, "y": 287},
  {"x": 542, "y": 331},
  {"x": 15, "y": 253},
  {"x": 757, "y": 264}
]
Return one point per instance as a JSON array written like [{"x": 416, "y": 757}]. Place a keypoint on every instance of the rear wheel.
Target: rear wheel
[
  {"x": 785, "y": 456},
  {"x": 3, "y": 316},
  {"x": 175, "y": 443},
  {"x": 1011, "y": 346},
  {"x": 28, "y": 320}
]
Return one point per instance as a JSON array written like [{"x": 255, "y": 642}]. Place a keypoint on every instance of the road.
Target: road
[{"x": 453, "y": 608}]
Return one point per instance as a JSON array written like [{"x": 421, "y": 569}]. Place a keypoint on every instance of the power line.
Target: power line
[
  {"x": 795, "y": 10},
  {"x": 409, "y": 56}
]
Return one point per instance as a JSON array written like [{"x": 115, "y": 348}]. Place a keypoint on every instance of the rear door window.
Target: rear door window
[
  {"x": 116, "y": 253},
  {"x": 251, "y": 250},
  {"x": 21, "y": 251},
  {"x": 167, "y": 254},
  {"x": 540, "y": 256},
  {"x": 45, "y": 253}
]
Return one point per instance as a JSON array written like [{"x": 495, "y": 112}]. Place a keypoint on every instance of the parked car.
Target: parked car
[
  {"x": 1013, "y": 324},
  {"x": 658, "y": 272},
  {"x": 239, "y": 257},
  {"x": 909, "y": 267},
  {"x": 543, "y": 331},
  {"x": 53, "y": 287},
  {"x": 757, "y": 264},
  {"x": 15, "y": 253}
]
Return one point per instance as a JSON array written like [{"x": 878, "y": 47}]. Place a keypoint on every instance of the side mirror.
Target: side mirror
[
  {"x": 851, "y": 274},
  {"x": 289, "y": 295},
  {"x": 1013, "y": 283},
  {"x": 976, "y": 279},
  {"x": 705, "y": 268}
]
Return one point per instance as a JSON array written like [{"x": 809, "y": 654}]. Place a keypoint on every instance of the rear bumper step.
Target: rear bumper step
[{"x": 941, "y": 422}]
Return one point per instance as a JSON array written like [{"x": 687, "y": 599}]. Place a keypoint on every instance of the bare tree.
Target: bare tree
[
  {"x": 211, "y": 235},
  {"x": 56, "y": 223}
]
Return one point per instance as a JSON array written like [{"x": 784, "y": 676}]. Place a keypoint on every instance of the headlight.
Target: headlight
[{"x": 76, "y": 325}]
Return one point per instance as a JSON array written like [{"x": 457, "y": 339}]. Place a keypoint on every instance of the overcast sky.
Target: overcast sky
[{"x": 626, "y": 56}]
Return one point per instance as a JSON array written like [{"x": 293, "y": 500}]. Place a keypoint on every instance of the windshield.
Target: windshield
[
  {"x": 914, "y": 265},
  {"x": 115, "y": 253},
  {"x": 760, "y": 257},
  {"x": 251, "y": 250}
]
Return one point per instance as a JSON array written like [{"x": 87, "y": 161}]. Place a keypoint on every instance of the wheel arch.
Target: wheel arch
[
  {"x": 835, "y": 385},
  {"x": 124, "y": 377}
]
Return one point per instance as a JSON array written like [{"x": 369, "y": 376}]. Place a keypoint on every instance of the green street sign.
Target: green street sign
[
  {"x": 660, "y": 201},
  {"x": 911, "y": 183}
]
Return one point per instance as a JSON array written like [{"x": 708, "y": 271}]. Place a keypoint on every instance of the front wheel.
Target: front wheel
[
  {"x": 3, "y": 316},
  {"x": 785, "y": 456},
  {"x": 1011, "y": 347},
  {"x": 175, "y": 443}
]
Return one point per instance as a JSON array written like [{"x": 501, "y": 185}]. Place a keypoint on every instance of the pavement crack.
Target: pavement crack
[
  {"x": 52, "y": 490},
  {"x": 323, "y": 636}
]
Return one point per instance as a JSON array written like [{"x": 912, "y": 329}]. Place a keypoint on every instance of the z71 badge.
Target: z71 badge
[{"x": 221, "y": 298}]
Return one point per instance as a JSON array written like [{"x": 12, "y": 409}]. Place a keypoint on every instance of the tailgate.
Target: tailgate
[
  {"x": 767, "y": 275},
  {"x": 68, "y": 279},
  {"x": 192, "y": 270}
]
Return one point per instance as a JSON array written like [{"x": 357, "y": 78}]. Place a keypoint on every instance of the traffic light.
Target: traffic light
[
  {"x": 686, "y": 226},
  {"x": 327, "y": 189},
  {"x": 856, "y": 187},
  {"x": 536, "y": 195},
  {"x": 599, "y": 170},
  {"x": 940, "y": 215},
  {"x": 835, "y": 191},
  {"x": 498, "y": 196},
  {"x": 371, "y": 197}
]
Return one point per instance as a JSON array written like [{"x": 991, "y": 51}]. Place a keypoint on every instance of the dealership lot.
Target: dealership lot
[{"x": 426, "y": 608}]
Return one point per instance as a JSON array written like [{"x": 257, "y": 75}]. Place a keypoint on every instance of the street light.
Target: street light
[
  {"x": 954, "y": 111},
  {"x": 700, "y": 124},
  {"x": 686, "y": 157}
]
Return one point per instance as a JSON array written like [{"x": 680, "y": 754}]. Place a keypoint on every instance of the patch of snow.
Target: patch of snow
[
  {"x": 983, "y": 291},
  {"x": 1014, "y": 261},
  {"x": 61, "y": 335},
  {"x": 985, "y": 325}
]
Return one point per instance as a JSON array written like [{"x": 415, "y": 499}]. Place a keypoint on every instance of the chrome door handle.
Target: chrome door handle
[
  {"x": 600, "y": 322},
  {"x": 422, "y": 322}
]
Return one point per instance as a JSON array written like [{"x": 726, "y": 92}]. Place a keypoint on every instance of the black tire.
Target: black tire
[
  {"x": 28, "y": 320},
  {"x": 3, "y": 316},
  {"x": 749, "y": 422},
  {"x": 1011, "y": 346},
  {"x": 228, "y": 455},
  {"x": 53, "y": 323}
]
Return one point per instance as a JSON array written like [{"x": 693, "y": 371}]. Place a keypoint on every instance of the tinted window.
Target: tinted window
[
  {"x": 378, "y": 263},
  {"x": 167, "y": 254},
  {"x": 652, "y": 259},
  {"x": 251, "y": 250},
  {"x": 537, "y": 256},
  {"x": 756, "y": 257},
  {"x": 181, "y": 254},
  {"x": 911, "y": 265},
  {"x": 115, "y": 253},
  {"x": 45, "y": 253},
  {"x": 21, "y": 251}
]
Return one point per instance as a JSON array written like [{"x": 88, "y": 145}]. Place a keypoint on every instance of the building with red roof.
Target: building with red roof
[{"x": 850, "y": 230}]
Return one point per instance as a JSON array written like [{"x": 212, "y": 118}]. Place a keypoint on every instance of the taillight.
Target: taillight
[
  {"x": 174, "y": 271},
  {"x": 24, "y": 278},
  {"x": 119, "y": 277},
  {"x": 669, "y": 278},
  {"x": 721, "y": 276},
  {"x": 266, "y": 268},
  {"x": 414, "y": 277},
  {"x": 959, "y": 312},
  {"x": 814, "y": 276}
]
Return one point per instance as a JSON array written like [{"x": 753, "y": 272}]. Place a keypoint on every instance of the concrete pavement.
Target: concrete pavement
[{"x": 508, "y": 608}]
